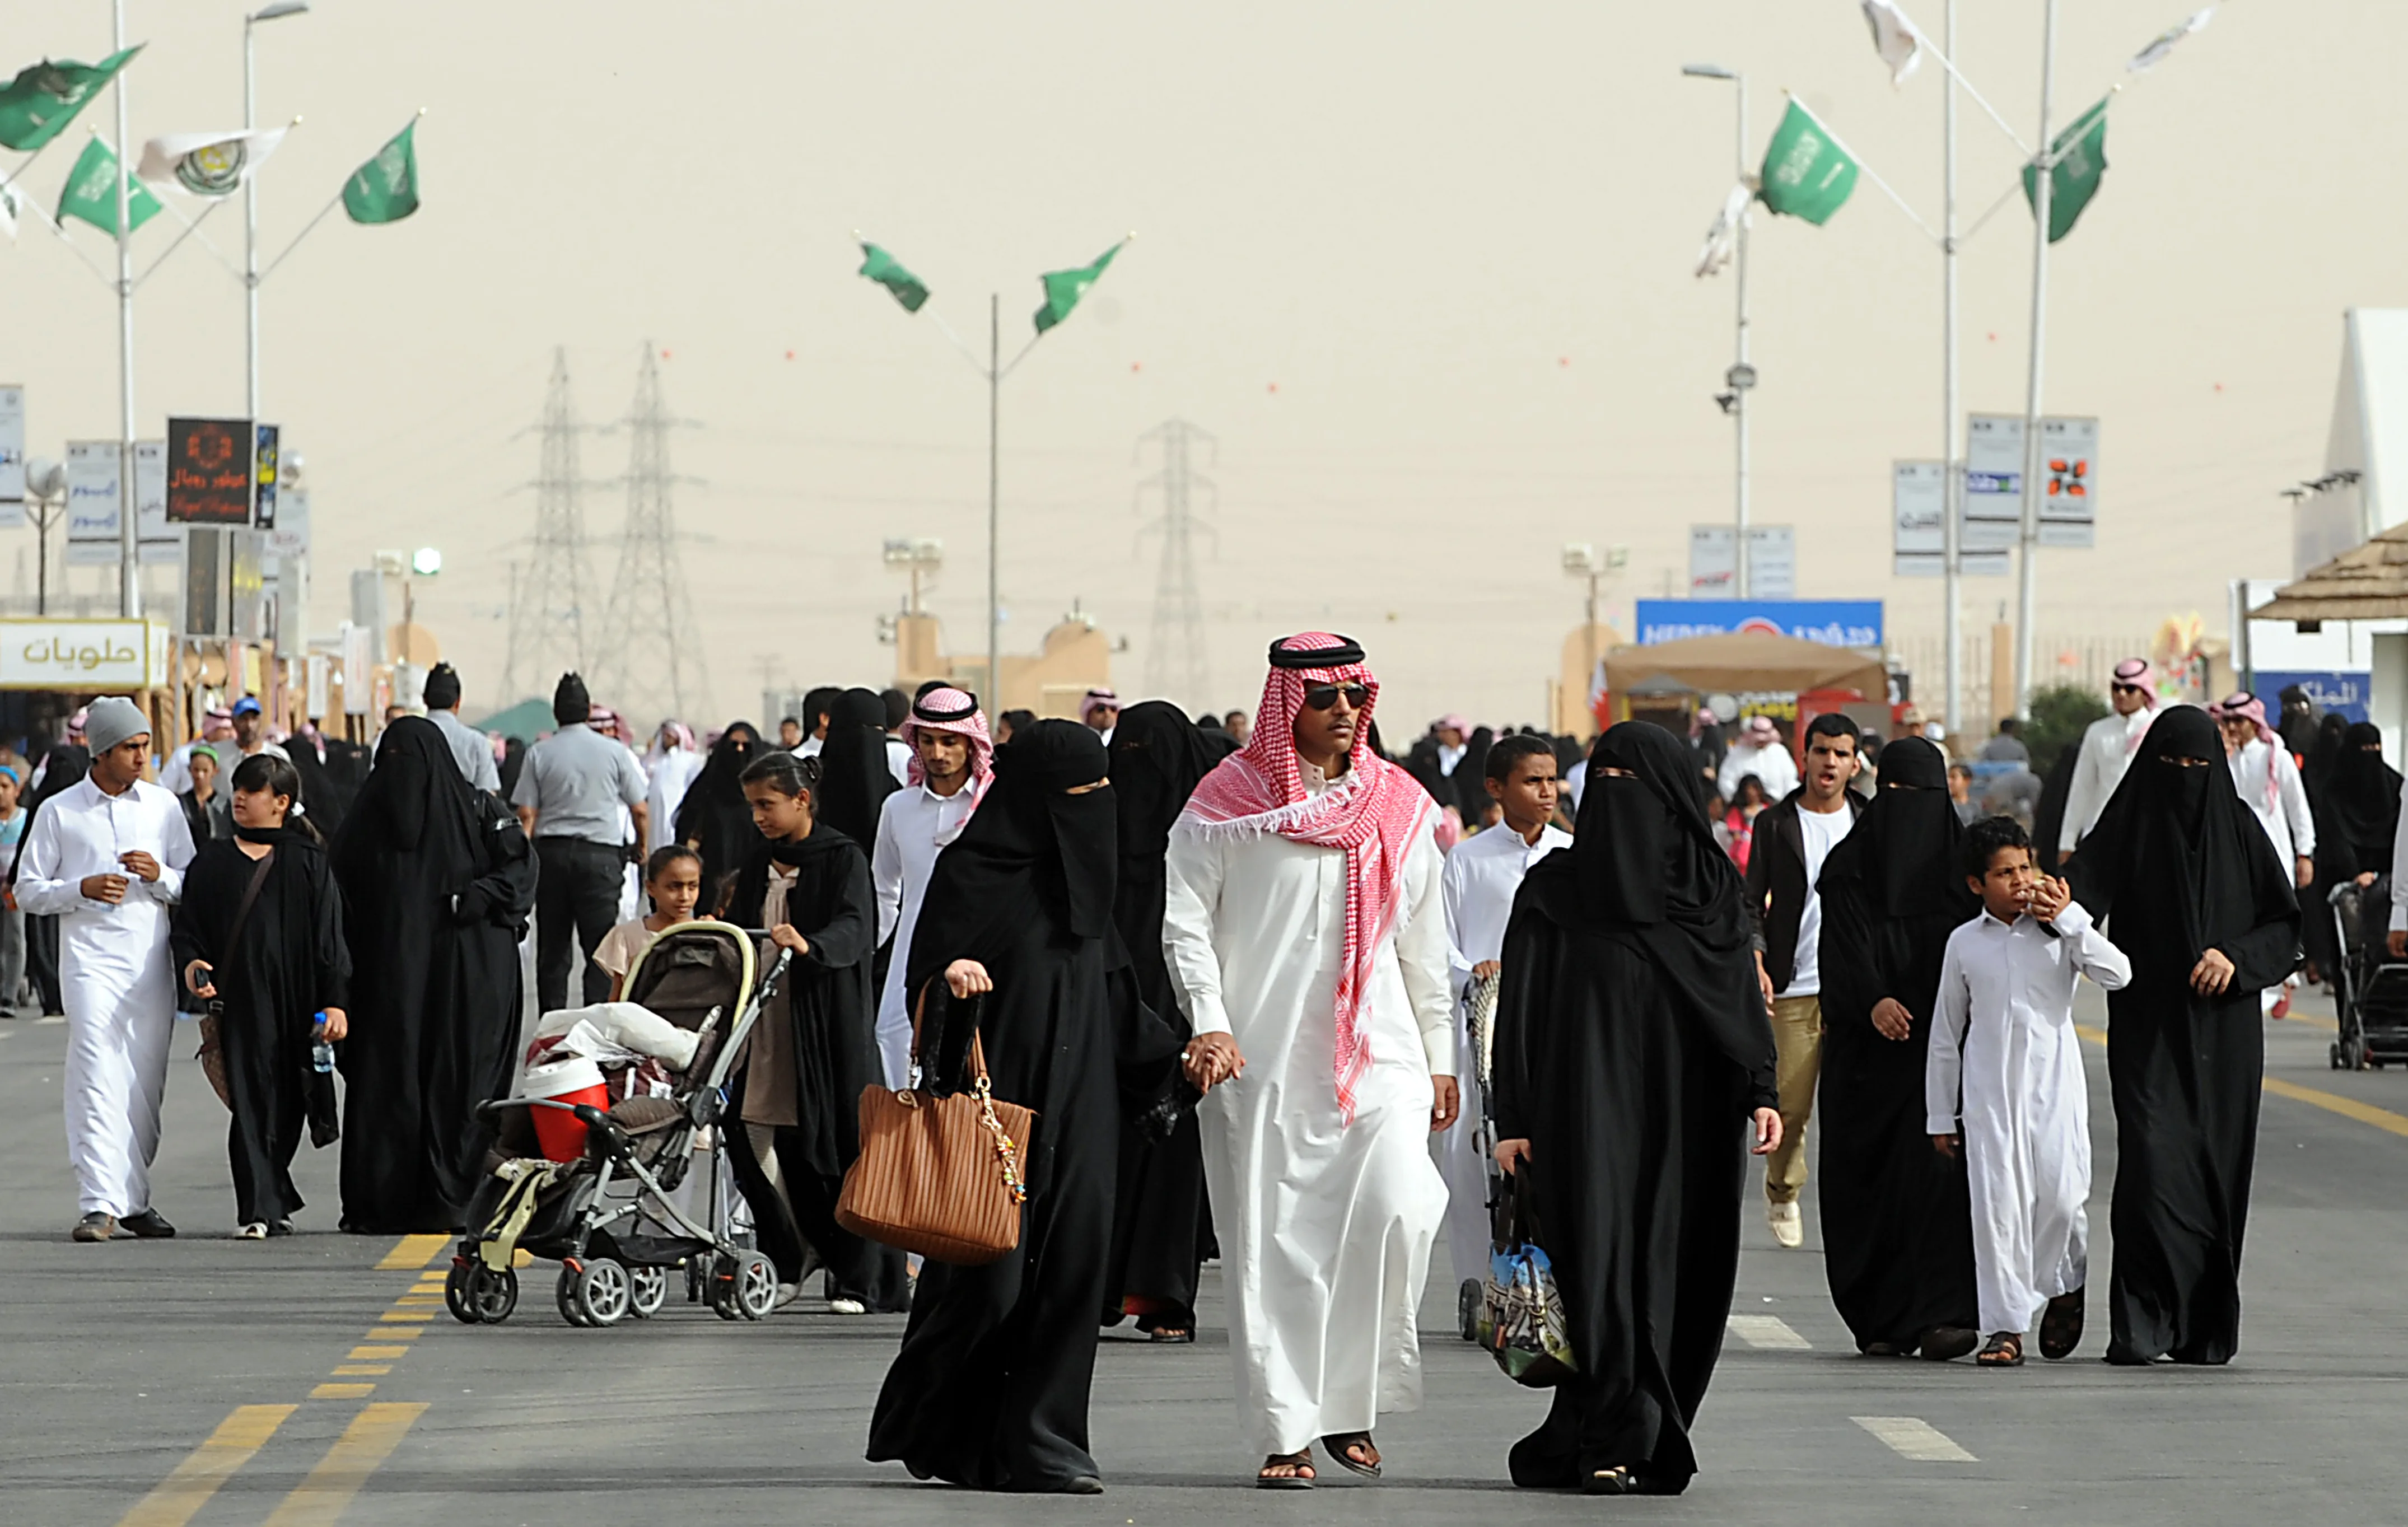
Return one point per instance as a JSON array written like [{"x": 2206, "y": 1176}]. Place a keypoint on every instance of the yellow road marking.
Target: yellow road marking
[
  {"x": 318, "y": 1500},
  {"x": 2348, "y": 1107},
  {"x": 405, "y": 1317},
  {"x": 185, "y": 1491},
  {"x": 1912, "y": 1436},
  {"x": 414, "y": 1300},
  {"x": 371, "y": 1354},
  {"x": 360, "y": 1369},
  {"x": 2312, "y": 1021},
  {"x": 393, "y": 1333},
  {"x": 342, "y": 1391},
  {"x": 411, "y": 1252}
]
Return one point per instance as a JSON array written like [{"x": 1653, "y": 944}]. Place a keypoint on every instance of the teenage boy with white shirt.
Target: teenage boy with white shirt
[{"x": 1792, "y": 840}]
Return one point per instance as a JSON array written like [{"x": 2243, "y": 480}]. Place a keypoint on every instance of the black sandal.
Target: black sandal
[
  {"x": 1300, "y": 1480},
  {"x": 2003, "y": 1350},
  {"x": 2060, "y": 1326},
  {"x": 1619, "y": 1480},
  {"x": 1341, "y": 1446}
]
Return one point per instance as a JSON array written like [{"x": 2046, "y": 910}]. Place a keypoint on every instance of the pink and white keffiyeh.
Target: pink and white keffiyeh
[
  {"x": 2249, "y": 707},
  {"x": 2142, "y": 675},
  {"x": 949, "y": 709},
  {"x": 1374, "y": 812}
]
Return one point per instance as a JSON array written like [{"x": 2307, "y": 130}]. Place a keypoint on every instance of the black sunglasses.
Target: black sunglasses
[
  {"x": 1323, "y": 696},
  {"x": 2124, "y": 688}
]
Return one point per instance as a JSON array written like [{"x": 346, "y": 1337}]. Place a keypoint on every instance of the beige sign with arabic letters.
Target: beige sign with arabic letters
[{"x": 83, "y": 655}]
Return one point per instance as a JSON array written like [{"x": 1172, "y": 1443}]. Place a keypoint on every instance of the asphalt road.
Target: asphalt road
[{"x": 310, "y": 1380}]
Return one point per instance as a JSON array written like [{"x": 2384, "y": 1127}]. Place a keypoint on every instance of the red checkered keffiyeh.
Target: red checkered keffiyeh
[
  {"x": 1374, "y": 811},
  {"x": 951, "y": 710}
]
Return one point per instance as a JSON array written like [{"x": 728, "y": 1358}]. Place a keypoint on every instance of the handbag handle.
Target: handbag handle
[{"x": 982, "y": 1088}]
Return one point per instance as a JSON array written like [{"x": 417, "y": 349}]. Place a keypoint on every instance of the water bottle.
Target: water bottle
[{"x": 321, "y": 1049}]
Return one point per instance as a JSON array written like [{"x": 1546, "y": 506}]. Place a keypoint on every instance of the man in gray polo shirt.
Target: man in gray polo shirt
[
  {"x": 470, "y": 749},
  {"x": 568, "y": 796}
]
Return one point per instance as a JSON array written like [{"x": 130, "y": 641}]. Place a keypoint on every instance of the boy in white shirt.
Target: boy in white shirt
[{"x": 2004, "y": 1034}]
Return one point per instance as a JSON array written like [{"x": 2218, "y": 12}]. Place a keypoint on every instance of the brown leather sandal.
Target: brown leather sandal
[
  {"x": 2060, "y": 1326},
  {"x": 1300, "y": 1475},
  {"x": 2003, "y": 1350},
  {"x": 1344, "y": 1445}
]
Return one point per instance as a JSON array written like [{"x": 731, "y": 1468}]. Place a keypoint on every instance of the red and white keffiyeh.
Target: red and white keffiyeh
[
  {"x": 1374, "y": 811},
  {"x": 2250, "y": 709},
  {"x": 951, "y": 710},
  {"x": 2142, "y": 675}
]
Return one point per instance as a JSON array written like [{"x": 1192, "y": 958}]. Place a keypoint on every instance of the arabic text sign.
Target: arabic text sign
[
  {"x": 79, "y": 655},
  {"x": 12, "y": 456},
  {"x": 1834, "y": 622},
  {"x": 1994, "y": 481},
  {"x": 91, "y": 503},
  {"x": 1918, "y": 506},
  {"x": 209, "y": 463}
]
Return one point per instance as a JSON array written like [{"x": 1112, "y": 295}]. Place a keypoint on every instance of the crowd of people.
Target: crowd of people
[{"x": 1230, "y": 963}]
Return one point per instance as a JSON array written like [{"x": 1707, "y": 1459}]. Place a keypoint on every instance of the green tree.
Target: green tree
[{"x": 2059, "y": 715}]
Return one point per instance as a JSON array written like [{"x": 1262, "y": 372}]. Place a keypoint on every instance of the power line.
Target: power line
[
  {"x": 1175, "y": 654},
  {"x": 548, "y": 599},
  {"x": 652, "y": 663}
]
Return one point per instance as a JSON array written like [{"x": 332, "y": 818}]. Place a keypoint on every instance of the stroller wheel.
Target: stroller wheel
[
  {"x": 719, "y": 1287},
  {"x": 603, "y": 1292},
  {"x": 563, "y": 1294},
  {"x": 755, "y": 1292},
  {"x": 492, "y": 1295},
  {"x": 455, "y": 1292},
  {"x": 648, "y": 1289},
  {"x": 1467, "y": 1300},
  {"x": 2337, "y": 1062}
]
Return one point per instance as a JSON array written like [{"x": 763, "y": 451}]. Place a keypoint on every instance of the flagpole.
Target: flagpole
[
  {"x": 993, "y": 502},
  {"x": 1951, "y": 487},
  {"x": 2027, "y": 598},
  {"x": 250, "y": 230},
  {"x": 1743, "y": 380},
  {"x": 129, "y": 584}
]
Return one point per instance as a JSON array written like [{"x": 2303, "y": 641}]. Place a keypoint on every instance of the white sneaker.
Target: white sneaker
[
  {"x": 1788, "y": 1225},
  {"x": 847, "y": 1307},
  {"x": 255, "y": 1231}
]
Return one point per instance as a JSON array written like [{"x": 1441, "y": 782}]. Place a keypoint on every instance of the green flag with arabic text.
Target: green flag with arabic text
[
  {"x": 385, "y": 189},
  {"x": 888, "y": 272},
  {"x": 1807, "y": 174},
  {"x": 91, "y": 192},
  {"x": 1064, "y": 287},
  {"x": 2081, "y": 155},
  {"x": 37, "y": 105}
]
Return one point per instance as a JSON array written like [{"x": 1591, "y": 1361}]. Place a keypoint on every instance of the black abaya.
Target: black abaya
[
  {"x": 2178, "y": 865},
  {"x": 1631, "y": 1042},
  {"x": 991, "y": 1386},
  {"x": 830, "y": 1011},
  {"x": 437, "y": 884},
  {"x": 1160, "y": 1220},
  {"x": 855, "y": 780},
  {"x": 64, "y": 764},
  {"x": 1897, "y": 1243},
  {"x": 712, "y": 816},
  {"x": 285, "y": 964}
]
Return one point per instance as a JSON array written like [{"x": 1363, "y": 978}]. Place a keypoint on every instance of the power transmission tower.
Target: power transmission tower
[
  {"x": 1175, "y": 660},
  {"x": 548, "y": 601},
  {"x": 651, "y": 654}
]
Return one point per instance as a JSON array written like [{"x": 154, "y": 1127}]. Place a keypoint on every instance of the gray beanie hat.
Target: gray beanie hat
[{"x": 111, "y": 719}]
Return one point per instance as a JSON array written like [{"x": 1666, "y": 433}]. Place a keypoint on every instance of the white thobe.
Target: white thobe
[
  {"x": 2107, "y": 749},
  {"x": 2288, "y": 823},
  {"x": 1477, "y": 889},
  {"x": 670, "y": 776},
  {"x": 2006, "y": 998},
  {"x": 1771, "y": 764},
  {"x": 1325, "y": 1227},
  {"x": 912, "y": 825},
  {"x": 113, "y": 972}
]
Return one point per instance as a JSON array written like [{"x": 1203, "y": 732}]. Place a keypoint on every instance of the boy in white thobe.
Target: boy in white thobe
[
  {"x": 106, "y": 858},
  {"x": 1483, "y": 873},
  {"x": 2006, "y": 1002},
  {"x": 951, "y": 762}
]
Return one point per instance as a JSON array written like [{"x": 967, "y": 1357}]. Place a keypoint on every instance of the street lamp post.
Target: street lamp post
[
  {"x": 277, "y": 11},
  {"x": 1740, "y": 379},
  {"x": 45, "y": 483}
]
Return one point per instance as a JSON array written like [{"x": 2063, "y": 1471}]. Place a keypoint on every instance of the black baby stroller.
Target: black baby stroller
[
  {"x": 2371, "y": 989},
  {"x": 612, "y": 1218}
]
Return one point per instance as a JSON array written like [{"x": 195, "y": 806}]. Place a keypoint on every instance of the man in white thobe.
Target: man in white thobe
[
  {"x": 1304, "y": 935},
  {"x": 2107, "y": 749},
  {"x": 2267, "y": 779},
  {"x": 1759, "y": 752},
  {"x": 1483, "y": 873},
  {"x": 951, "y": 762},
  {"x": 2004, "y": 1058},
  {"x": 106, "y": 858}
]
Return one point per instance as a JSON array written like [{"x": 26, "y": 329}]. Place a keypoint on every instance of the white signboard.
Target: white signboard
[
  {"x": 290, "y": 536},
  {"x": 91, "y": 503},
  {"x": 1771, "y": 563},
  {"x": 83, "y": 655},
  {"x": 1994, "y": 481},
  {"x": 12, "y": 457},
  {"x": 320, "y": 695},
  {"x": 359, "y": 661},
  {"x": 1918, "y": 548}
]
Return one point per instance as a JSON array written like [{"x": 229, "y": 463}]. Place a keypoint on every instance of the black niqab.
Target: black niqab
[
  {"x": 2362, "y": 791},
  {"x": 713, "y": 815},
  {"x": 855, "y": 780}
]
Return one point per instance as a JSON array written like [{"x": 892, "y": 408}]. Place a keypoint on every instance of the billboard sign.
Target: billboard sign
[
  {"x": 1772, "y": 561},
  {"x": 1919, "y": 547},
  {"x": 209, "y": 463},
  {"x": 1834, "y": 622},
  {"x": 1994, "y": 481}
]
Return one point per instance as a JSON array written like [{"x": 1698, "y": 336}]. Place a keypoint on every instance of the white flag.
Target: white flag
[
  {"x": 1721, "y": 240},
  {"x": 207, "y": 163},
  {"x": 2154, "y": 52},
  {"x": 1895, "y": 39}
]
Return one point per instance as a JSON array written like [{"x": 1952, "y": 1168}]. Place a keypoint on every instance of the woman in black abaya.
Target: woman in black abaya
[
  {"x": 62, "y": 767},
  {"x": 2191, "y": 891},
  {"x": 1633, "y": 1047},
  {"x": 1898, "y": 1242},
  {"x": 713, "y": 820},
  {"x": 2355, "y": 797},
  {"x": 815, "y": 1047},
  {"x": 855, "y": 780},
  {"x": 1017, "y": 939},
  {"x": 436, "y": 885},
  {"x": 269, "y": 961},
  {"x": 1159, "y": 1221}
]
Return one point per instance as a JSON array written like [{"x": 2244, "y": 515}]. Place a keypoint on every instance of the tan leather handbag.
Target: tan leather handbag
[{"x": 939, "y": 1176}]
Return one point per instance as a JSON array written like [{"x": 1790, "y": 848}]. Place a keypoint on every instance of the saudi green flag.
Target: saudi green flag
[
  {"x": 888, "y": 272},
  {"x": 91, "y": 192},
  {"x": 385, "y": 189},
  {"x": 2081, "y": 155},
  {"x": 37, "y": 105},
  {"x": 1807, "y": 174},
  {"x": 1064, "y": 287}
]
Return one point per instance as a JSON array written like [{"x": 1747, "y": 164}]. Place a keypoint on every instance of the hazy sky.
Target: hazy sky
[{"x": 1423, "y": 270}]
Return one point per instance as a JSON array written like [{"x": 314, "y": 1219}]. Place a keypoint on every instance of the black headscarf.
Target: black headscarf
[
  {"x": 713, "y": 814},
  {"x": 1157, "y": 758},
  {"x": 855, "y": 780},
  {"x": 1028, "y": 835},
  {"x": 2178, "y": 851},
  {"x": 68, "y": 762},
  {"x": 429, "y": 811},
  {"x": 2362, "y": 791},
  {"x": 1645, "y": 871},
  {"x": 1903, "y": 846},
  {"x": 2315, "y": 770}
]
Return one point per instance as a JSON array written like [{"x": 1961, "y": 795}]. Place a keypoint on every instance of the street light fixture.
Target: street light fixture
[
  {"x": 1740, "y": 378},
  {"x": 46, "y": 485}
]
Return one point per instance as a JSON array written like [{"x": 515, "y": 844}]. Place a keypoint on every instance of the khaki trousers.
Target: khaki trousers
[{"x": 1798, "y": 1036}]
